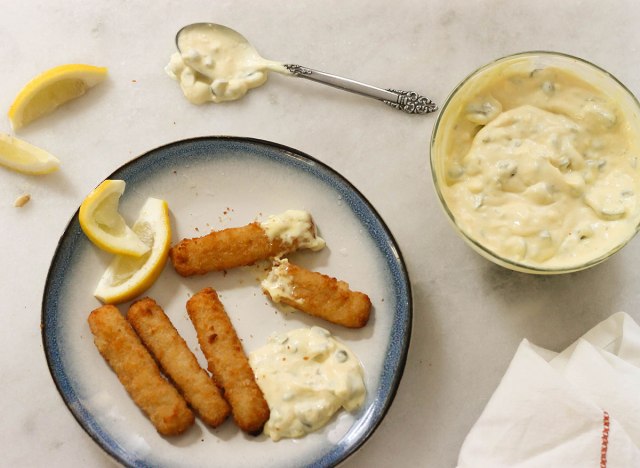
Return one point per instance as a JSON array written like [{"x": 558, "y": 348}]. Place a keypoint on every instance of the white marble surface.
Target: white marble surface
[{"x": 469, "y": 315}]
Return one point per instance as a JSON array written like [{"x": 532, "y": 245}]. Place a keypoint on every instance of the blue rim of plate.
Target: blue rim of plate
[{"x": 209, "y": 147}]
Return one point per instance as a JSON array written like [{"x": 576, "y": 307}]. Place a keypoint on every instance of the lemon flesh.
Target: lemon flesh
[
  {"x": 24, "y": 157},
  {"x": 104, "y": 225},
  {"x": 49, "y": 90},
  {"x": 127, "y": 277}
]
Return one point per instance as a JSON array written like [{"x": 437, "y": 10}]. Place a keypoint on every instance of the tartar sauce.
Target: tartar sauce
[
  {"x": 278, "y": 283},
  {"x": 542, "y": 168},
  {"x": 217, "y": 65},
  {"x": 306, "y": 376},
  {"x": 293, "y": 225}
]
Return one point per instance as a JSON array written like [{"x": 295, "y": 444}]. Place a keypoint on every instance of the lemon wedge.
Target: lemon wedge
[
  {"x": 50, "y": 89},
  {"x": 21, "y": 156},
  {"x": 104, "y": 225},
  {"x": 127, "y": 277}
]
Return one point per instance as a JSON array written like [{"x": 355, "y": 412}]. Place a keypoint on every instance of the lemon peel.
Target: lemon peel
[
  {"x": 52, "y": 88},
  {"x": 104, "y": 225},
  {"x": 24, "y": 157},
  {"x": 127, "y": 277}
]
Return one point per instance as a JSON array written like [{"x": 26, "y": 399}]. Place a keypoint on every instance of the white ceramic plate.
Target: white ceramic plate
[{"x": 215, "y": 183}]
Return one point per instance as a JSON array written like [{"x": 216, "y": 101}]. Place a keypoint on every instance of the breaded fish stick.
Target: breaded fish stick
[
  {"x": 241, "y": 246},
  {"x": 317, "y": 294},
  {"x": 223, "y": 250},
  {"x": 177, "y": 361},
  {"x": 138, "y": 372},
  {"x": 227, "y": 361}
]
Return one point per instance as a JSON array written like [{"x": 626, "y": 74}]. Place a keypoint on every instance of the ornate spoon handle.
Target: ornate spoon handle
[{"x": 406, "y": 101}]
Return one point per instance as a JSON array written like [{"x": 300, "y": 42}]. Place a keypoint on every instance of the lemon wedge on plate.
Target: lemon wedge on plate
[
  {"x": 104, "y": 225},
  {"x": 127, "y": 277},
  {"x": 21, "y": 156},
  {"x": 50, "y": 89}
]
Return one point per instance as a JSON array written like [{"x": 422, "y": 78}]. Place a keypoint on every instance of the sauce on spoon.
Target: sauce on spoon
[{"x": 217, "y": 64}]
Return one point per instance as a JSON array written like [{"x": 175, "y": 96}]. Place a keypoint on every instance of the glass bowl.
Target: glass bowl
[{"x": 464, "y": 171}]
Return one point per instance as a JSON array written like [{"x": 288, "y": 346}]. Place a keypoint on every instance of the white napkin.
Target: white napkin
[{"x": 579, "y": 408}]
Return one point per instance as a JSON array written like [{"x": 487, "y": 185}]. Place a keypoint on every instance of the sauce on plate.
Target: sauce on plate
[{"x": 306, "y": 376}]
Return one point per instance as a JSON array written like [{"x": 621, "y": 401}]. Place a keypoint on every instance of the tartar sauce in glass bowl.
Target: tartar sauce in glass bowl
[{"x": 536, "y": 161}]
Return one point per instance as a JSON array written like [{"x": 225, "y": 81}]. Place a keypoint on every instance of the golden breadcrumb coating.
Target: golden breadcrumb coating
[
  {"x": 177, "y": 361},
  {"x": 227, "y": 361},
  {"x": 138, "y": 372}
]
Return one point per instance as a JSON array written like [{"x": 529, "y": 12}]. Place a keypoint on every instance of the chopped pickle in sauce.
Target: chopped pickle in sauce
[
  {"x": 540, "y": 168},
  {"x": 306, "y": 376}
]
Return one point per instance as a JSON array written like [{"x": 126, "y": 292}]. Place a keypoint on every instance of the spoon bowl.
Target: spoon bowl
[{"x": 214, "y": 28}]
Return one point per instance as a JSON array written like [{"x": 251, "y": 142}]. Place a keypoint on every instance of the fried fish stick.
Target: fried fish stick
[
  {"x": 227, "y": 361},
  {"x": 177, "y": 361},
  {"x": 241, "y": 246},
  {"x": 317, "y": 294},
  {"x": 138, "y": 372}
]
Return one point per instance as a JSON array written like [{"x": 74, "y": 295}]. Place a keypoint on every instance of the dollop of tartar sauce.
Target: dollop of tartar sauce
[
  {"x": 278, "y": 282},
  {"x": 306, "y": 375},
  {"x": 217, "y": 65},
  {"x": 294, "y": 225},
  {"x": 542, "y": 168}
]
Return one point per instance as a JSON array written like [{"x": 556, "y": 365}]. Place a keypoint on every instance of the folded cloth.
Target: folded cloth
[{"x": 579, "y": 408}]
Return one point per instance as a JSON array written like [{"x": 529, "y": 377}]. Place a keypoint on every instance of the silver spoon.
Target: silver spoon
[{"x": 406, "y": 101}]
